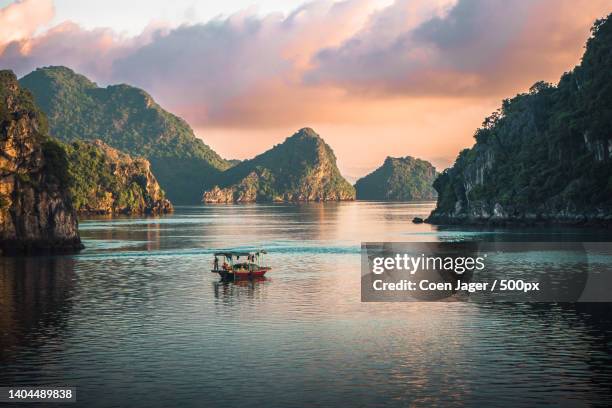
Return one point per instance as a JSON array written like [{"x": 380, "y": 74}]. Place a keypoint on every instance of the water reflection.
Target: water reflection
[
  {"x": 35, "y": 301},
  {"x": 250, "y": 288}
]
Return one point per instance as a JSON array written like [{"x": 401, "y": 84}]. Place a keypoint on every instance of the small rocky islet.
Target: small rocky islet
[
  {"x": 399, "y": 179},
  {"x": 303, "y": 168}
]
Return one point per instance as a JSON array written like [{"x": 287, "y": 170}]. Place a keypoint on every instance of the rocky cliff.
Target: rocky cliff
[
  {"x": 36, "y": 211},
  {"x": 545, "y": 156},
  {"x": 128, "y": 119},
  {"x": 303, "y": 168},
  {"x": 399, "y": 179},
  {"x": 107, "y": 181}
]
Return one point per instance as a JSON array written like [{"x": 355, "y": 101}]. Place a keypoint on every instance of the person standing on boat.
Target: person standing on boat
[{"x": 216, "y": 267}]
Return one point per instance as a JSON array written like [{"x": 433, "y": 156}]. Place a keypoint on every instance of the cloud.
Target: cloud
[
  {"x": 470, "y": 48},
  {"x": 232, "y": 68},
  {"x": 209, "y": 73},
  {"x": 20, "y": 20},
  {"x": 88, "y": 51},
  {"x": 326, "y": 61}
]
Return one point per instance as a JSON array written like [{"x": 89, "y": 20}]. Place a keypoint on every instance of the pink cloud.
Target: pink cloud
[
  {"x": 232, "y": 67},
  {"x": 325, "y": 62},
  {"x": 202, "y": 71},
  {"x": 20, "y": 20},
  {"x": 471, "y": 48},
  {"x": 89, "y": 52}
]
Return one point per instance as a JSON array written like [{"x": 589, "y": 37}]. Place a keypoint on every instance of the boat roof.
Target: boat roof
[{"x": 231, "y": 254}]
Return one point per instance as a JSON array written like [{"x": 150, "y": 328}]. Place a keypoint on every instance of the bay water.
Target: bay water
[{"x": 137, "y": 319}]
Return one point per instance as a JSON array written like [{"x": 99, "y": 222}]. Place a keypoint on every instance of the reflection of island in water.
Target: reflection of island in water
[{"x": 35, "y": 301}]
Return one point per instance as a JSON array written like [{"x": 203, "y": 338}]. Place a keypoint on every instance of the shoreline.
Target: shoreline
[{"x": 539, "y": 221}]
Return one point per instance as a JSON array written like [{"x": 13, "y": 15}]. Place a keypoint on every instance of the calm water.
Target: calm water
[{"x": 137, "y": 320}]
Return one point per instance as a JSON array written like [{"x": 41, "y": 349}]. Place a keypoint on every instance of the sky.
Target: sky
[{"x": 374, "y": 78}]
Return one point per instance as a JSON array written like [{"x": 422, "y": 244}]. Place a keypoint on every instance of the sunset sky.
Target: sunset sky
[{"x": 373, "y": 77}]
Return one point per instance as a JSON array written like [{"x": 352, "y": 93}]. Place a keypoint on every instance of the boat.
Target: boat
[{"x": 233, "y": 265}]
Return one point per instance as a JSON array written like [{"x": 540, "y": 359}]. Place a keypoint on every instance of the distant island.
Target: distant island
[
  {"x": 545, "y": 156},
  {"x": 303, "y": 168},
  {"x": 399, "y": 179},
  {"x": 128, "y": 119},
  {"x": 36, "y": 211}
]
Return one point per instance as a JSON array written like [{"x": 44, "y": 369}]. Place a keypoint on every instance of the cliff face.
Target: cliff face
[
  {"x": 107, "y": 181},
  {"x": 545, "y": 156},
  {"x": 303, "y": 168},
  {"x": 36, "y": 211},
  {"x": 399, "y": 179},
  {"x": 128, "y": 119}
]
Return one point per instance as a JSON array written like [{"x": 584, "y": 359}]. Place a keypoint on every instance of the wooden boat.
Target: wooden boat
[{"x": 239, "y": 265}]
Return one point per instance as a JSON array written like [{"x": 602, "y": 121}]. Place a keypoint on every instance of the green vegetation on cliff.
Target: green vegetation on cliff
[
  {"x": 105, "y": 180},
  {"x": 545, "y": 154},
  {"x": 20, "y": 98},
  {"x": 127, "y": 119},
  {"x": 303, "y": 168},
  {"x": 399, "y": 179}
]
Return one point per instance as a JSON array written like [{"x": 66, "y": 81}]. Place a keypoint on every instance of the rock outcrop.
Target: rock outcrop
[
  {"x": 36, "y": 211},
  {"x": 399, "y": 179},
  {"x": 128, "y": 119},
  {"x": 108, "y": 181},
  {"x": 303, "y": 168},
  {"x": 545, "y": 157}
]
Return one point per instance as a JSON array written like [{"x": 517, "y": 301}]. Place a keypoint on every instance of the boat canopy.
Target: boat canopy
[{"x": 232, "y": 254}]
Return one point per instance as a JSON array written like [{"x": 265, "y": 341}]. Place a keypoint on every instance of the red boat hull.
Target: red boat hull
[
  {"x": 242, "y": 274},
  {"x": 251, "y": 274}
]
